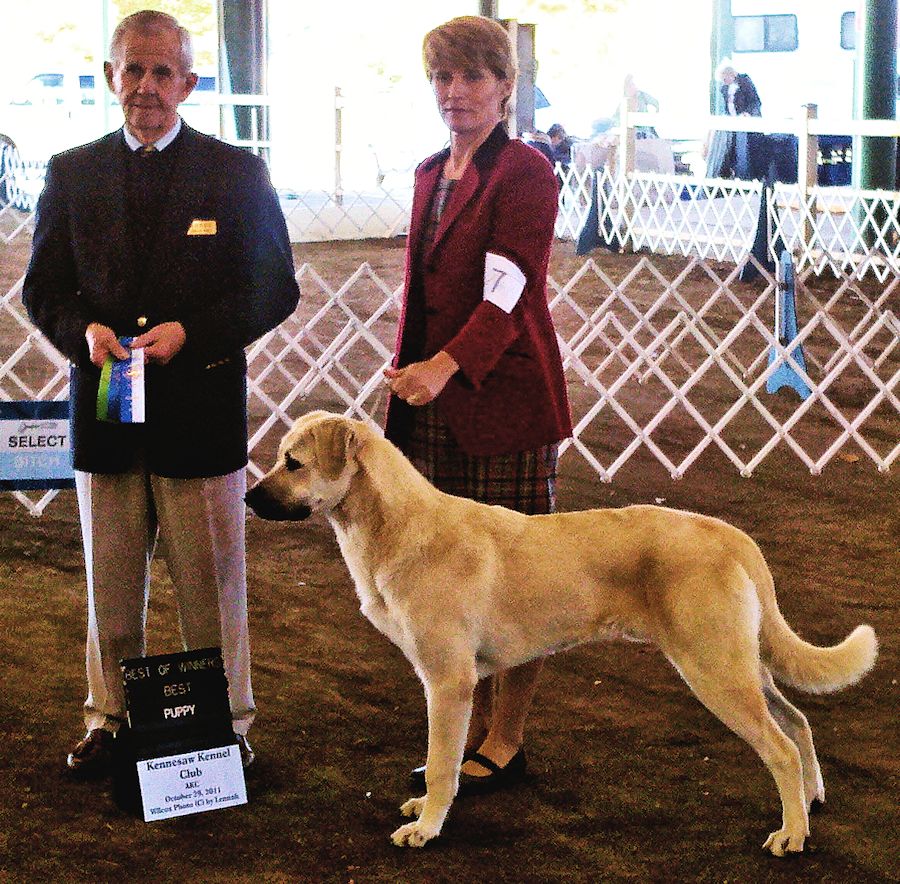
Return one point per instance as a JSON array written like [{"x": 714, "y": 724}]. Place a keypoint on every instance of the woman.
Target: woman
[{"x": 478, "y": 398}]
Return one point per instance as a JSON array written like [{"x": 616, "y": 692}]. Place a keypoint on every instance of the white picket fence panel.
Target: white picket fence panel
[
  {"x": 667, "y": 364},
  {"x": 311, "y": 215},
  {"x": 838, "y": 229},
  {"x": 712, "y": 218}
]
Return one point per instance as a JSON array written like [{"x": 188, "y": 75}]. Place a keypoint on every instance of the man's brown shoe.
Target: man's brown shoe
[{"x": 93, "y": 755}]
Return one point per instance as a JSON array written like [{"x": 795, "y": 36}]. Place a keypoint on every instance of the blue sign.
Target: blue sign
[{"x": 35, "y": 450}]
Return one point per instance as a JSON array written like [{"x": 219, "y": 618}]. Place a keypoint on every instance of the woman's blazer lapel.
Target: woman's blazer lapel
[
  {"x": 477, "y": 172},
  {"x": 463, "y": 191},
  {"x": 426, "y": 185},
  {"x": 427, "y": 178}
]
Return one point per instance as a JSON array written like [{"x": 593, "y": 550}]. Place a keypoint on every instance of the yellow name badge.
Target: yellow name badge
[{"x": 202, "y": 227}]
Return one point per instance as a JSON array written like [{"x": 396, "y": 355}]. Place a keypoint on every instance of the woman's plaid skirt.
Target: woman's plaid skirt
[{"x": 524, "y": 481}]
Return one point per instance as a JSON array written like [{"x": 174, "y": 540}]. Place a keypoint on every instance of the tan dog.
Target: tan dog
[{"x": 465, "y": 590}]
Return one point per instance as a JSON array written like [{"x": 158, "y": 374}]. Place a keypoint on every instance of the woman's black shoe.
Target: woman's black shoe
[
  {"x": 499, "y": 777},
  {"x": 417, "y": 774}
]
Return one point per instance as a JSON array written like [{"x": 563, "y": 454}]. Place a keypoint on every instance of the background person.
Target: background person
[
  {"x": 744, "y": 155},
  {"x": 478, "y": 397},
  {"x": 739, "y": 93},
  {"x": 540, "y": 141},
  {"x": 162, "y": 234},
  {"x": 562, "y": 144}
]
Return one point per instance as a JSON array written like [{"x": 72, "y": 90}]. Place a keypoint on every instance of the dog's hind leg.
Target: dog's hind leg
[
  {"x": 793, "y": 722},
  {"x": 730, "y": 689},
  {"x": 449, "y": 709}
]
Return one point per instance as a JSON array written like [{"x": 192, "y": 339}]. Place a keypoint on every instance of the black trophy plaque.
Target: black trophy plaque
[{"x": 177, "y": 754}]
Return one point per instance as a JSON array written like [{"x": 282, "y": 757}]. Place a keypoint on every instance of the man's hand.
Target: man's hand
[
  {"x": 102, "y": 342},
  {"x": 162, "y": 342},
  {"x": 421, "y": 382}
]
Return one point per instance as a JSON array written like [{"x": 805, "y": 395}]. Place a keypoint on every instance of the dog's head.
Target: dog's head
[{"x": 315, "y": 465}]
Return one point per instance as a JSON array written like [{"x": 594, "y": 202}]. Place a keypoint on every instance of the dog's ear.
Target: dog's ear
[{"x": 336, "y": 443}]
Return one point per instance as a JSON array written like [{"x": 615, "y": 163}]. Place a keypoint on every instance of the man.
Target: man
[
  {"x": 738, "y": 92},
  {"x": 162, "y": 235},
  {"x": 745, "y": 155}
]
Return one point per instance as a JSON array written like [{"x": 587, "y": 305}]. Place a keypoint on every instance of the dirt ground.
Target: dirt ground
[{"x": 631, "y": 778}]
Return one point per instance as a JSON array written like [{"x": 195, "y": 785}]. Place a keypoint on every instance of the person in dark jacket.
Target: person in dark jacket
[
  {"x": 562, "y": 144},
  {"x": 166, "y": 248},
  {"x": 739, "y": 94},
  {"x": 744, "y": 155},
  {"x": 540, "y": 141}
]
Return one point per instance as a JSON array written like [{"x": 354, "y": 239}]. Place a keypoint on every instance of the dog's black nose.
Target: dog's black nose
[
  {"x": 261, "y": 502},
  {"x": 252, "y": 497},
  {"x": 267, "y": 507}
]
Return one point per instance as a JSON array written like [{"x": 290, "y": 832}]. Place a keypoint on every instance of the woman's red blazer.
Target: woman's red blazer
[{"x": 510, "y": 393}]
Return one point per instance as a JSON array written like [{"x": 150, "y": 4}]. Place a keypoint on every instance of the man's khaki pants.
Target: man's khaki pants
[{"x": 200, "y": 524}]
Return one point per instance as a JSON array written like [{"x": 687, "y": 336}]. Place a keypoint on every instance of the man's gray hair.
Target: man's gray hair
[
  {"x": 150, "y": 21},
  {"x": 724, "y": 65}
]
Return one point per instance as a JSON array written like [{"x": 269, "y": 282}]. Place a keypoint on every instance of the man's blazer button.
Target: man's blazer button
[{"x": 141, "y": 321}]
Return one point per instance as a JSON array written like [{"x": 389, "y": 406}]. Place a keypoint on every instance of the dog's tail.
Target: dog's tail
[
  {"x": 805, "y": 666},
  {"x": 818, "y": 670}
]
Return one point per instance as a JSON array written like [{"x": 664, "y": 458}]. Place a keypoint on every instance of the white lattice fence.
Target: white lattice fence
[
  {"x": 575, "y": 195},
  {"x": 668, "y": 362},
  {"x": 711, "y": 218},
  {"x": 677, "y": 364},
  {"x": 679, "y": 215},
  {"x": 311, "y": 215},
  {"x": 827, "y": 228},
  {"x": 854, "y": 231},
  {"x": 321, "y": 216},
  {"x": 837, "y": 228},
  {"x": 329, "y": 354},
  {"x": 20, "y": 182}
]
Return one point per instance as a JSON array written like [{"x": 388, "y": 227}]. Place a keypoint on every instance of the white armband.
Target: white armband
[{"x": 504, "y": 282}]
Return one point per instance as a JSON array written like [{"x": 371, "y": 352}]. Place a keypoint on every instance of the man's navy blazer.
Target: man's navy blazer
[
  {"x": 746, "y": 98},
  {"x": 220, "y": 264}
]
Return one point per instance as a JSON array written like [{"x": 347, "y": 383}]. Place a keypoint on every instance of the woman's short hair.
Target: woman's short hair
[
  {"x": 147, "y": 22},
  {"x": 470, "y": 41}
]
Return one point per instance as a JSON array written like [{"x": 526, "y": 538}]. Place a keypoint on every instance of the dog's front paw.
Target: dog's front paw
[
  {"x": 412, "y": 834},
  {"x": 782, "y": 841},
  {"x": 413, "y": 807}
]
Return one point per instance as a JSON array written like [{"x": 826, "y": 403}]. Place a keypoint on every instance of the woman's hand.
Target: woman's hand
[{"x": 421, "y": 382}]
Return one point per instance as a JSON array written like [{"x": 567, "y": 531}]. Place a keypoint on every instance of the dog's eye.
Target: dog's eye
[{"x": 291, "y": 462}]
